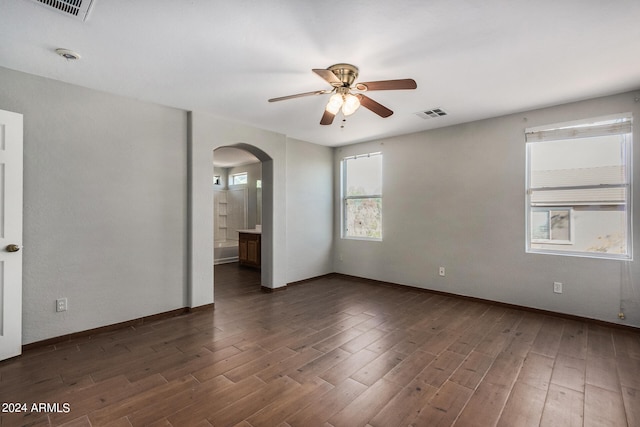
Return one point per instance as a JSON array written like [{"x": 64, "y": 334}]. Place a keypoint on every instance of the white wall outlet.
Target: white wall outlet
[
  {"x": 557, "y": 287},
  {"x": 61, "y": 304},
  {"x": 441, "y": 271}
]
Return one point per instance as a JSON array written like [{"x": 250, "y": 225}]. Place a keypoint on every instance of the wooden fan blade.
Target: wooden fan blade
[
  {"x": 372, "y": 105},
  {"x": 300, "y": 95},
  {"x": 327, "y": 118},
  {"x": 388, "y": 85},
  {"x": 328, "y": 75}
]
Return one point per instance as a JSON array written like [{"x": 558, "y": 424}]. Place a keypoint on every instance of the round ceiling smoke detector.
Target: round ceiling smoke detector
[{"x": 68, "y": 54}]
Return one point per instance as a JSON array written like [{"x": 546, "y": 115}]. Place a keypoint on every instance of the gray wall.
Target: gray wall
[
  {"x": 454, "y": 197},
  {"x": 309, "y": 210},
  {"x": 105, "y": 197}
]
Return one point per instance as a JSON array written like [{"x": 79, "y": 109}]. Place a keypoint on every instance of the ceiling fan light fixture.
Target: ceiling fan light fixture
[
  {"x": 351, "y": 104},
  {"x": 342, "y": 79},
  {"x": 334, "y": 104}
]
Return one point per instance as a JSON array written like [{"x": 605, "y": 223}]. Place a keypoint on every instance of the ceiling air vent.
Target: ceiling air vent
[
  {"x": 431, "y": 114},
  {"x": 77, "y": 9}
]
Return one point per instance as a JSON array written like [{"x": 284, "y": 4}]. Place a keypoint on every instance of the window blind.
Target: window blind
[{"x": 619, "y": 125}]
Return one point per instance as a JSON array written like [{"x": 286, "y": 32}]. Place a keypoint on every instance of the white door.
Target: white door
[{"x": 10, "y": 234}]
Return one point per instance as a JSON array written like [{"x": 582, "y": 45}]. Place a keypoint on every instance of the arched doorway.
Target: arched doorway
[
  {"x": 262, "y": 207},
  {"x": 237, "y": 202},
  {"x": 206, "y": 133}
]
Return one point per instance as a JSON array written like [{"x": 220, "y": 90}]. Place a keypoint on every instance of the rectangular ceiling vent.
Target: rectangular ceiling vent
[
  {"x": 77, "y": 9},
  {"x": 432, "y": 114}
]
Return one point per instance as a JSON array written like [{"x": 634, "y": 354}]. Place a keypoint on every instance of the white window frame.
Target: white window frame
[
  {"x": 617, "y": 124},
  {"x": 233, "y": 177},
  {"x": 345, "y": 199}
]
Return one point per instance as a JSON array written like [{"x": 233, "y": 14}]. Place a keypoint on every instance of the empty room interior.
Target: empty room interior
[{"x": 319, "y": 214}]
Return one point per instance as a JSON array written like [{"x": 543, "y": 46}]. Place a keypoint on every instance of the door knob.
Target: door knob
[{"x": 12, "y": 248}]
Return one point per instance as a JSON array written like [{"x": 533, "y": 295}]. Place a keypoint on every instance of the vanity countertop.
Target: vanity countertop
[{"x": 251, "y": 231}]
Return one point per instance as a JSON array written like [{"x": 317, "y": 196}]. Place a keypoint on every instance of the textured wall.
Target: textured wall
[
  {"x": 105, "y": 190},
  {"x": 309, "y": 210}
]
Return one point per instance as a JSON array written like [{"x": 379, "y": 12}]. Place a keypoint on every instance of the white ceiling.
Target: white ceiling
[
  {"x": 227, "y": 157},
  {"x": 475, "y": 59}
]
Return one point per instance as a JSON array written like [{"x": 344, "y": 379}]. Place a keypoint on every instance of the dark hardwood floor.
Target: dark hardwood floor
[{"x": 334, "y": 352}]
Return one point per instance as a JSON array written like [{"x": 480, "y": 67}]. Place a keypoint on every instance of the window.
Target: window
[
  {"x": 238, "y": 178},
  {"x": 362, "y": 196},
  {"x": 551, "y": 225},
  {"x": 579, "y": 188}
]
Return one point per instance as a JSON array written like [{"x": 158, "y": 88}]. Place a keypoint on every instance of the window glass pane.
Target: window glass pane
[
  {"x": 240, "y": 178},
  {"x": 582, "y": 153},
  {"x": 559, "y": 225},
  {"x": 364, "y": 175},
  {"x": 579, "y": 193},
  {"x": 361, "y": 194},
  {"x": 364, "y": 217},
  {"x": 540, "y": 225}
]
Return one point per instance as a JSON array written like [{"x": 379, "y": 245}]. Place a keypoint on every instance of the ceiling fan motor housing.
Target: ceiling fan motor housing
[{"x": 346, "y": 73}]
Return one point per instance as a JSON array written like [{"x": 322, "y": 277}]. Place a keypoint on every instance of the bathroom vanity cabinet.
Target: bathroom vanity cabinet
[{"x": 249, "y": 242}]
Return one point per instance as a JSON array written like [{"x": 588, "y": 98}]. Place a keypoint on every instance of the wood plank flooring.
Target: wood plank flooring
[{"x": 334, "y": 352}]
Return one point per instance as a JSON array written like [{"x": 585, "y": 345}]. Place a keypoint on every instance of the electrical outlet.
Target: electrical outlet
[
  {"x": 441, "y": 271},
  {"x": 557, "y": 287},
  {"x": 61, "y": 304}
]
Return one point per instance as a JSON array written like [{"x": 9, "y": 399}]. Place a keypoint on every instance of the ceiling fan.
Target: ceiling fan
[{"x": 342, "y": 78}]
